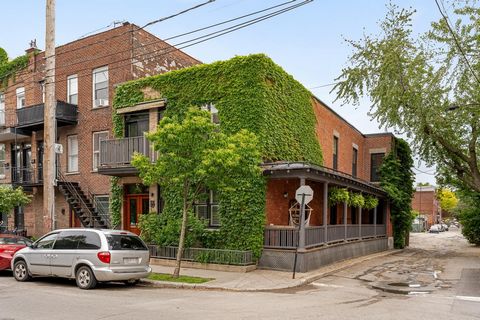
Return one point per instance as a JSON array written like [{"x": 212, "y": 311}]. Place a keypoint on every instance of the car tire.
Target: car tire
[
  {"x": 131, "y": 282},
  {"x": 20, "y": 271},
  {"x": 85, "y": 278}
]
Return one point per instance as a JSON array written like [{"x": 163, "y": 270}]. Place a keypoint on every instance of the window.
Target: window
[
  {"x": 208, "y": 208},
  {"x": 210, "y": 107},
  {"x": 67, "y": 240},
  {"x": 97, "y": 137},
  {"x": 72, "y": 89},
  {"x": 375, "y": 163},
  {"x": 136, "y": 124},
  {"x": 2, "y": 109},
  {"x": 335, "y": 153},
  {"x": 46, "y": 242},
  {"x": 42, "y": 88},
  {"x": 354, "y": 162},
  {"x": 72, "y": 153},
  {"x": 20, "y": 98},
  {"x": 2, "y": 161},
  {"x": 125, "y": 242},
  {"x": 100, "y": 87},
  {"x": 89, "y": 240}
]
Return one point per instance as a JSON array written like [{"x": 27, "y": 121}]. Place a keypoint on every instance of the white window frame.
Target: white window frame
[
  {"x": 96, "y": 153},
  {"x": 70, "y": 155},
  {"x": 71, "y": 92},
  {"x": 42, "y": 87},
  {"x": 20, "y": 92},
  {"x": 2, "y": 109},
  {"x": 98, "y": 103},
  {"x": 210, "y": 107}
]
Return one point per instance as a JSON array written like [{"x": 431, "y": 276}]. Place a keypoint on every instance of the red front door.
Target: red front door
[{"x": 135, "y": 206}]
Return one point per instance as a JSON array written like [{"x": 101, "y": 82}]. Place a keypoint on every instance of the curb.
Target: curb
[{"x": 330, "y": 269}]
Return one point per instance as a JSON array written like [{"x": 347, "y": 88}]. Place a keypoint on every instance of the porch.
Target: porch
[{"x": 330, "y": 232}]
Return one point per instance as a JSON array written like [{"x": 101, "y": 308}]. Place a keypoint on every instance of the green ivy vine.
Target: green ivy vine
[
  {"x": 8, "y": 69},
  {"x": 396, "y": 178},
  {"x": 252, "y": 93},
  {"x": 116, "y": 201}
]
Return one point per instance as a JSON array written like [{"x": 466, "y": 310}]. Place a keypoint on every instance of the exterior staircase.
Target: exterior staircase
[{"x": 81, "y": 205}]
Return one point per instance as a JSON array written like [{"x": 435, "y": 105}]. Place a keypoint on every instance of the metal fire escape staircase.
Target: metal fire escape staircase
[{"x": 81, "y": 204}]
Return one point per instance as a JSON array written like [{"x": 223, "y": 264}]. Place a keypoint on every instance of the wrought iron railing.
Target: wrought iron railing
[
  {"x": 204, "y": 255},
  {"x": 29, "y": 175}
]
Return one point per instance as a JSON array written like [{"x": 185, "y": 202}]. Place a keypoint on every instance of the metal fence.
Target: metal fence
[
  {"x": 287, "y": 237},
  {"x": 204, "y": 255}
]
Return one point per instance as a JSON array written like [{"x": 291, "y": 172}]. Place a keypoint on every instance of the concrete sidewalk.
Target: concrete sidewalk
[{"x": 257, "y": 280}]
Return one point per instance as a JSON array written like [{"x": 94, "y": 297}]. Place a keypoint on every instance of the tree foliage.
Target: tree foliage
[
  {"x": 396, "y": 178},
  {"x": 12, "y": 197},
  {"x": 468, "y": 212},
  {"x": 413, "y": 82},
  {"x": 448, "y": 199},
  {"x": 193, "y": 156}
]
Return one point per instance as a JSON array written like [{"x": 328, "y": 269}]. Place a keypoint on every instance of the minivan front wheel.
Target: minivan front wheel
[
  {"x": 85, "y": 278},
  {"x": 20, "y": 271}
]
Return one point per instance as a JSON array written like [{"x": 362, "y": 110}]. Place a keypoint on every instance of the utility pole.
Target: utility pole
[{"x": 49, "y": 166}]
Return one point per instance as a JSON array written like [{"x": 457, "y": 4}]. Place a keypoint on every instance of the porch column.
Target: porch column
[
  {"x": 345, "y": 218},
  {"x": 360, "y": 222},
  {"x": 325, "y": 210},
  {"x": 375, "y": 221},
  {"x": 301, "y": 231}
]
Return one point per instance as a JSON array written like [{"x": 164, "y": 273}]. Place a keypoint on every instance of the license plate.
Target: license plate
[{"x": 130, "y": 260}]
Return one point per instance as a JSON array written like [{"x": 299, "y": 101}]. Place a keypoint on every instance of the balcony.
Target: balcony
[
  {"x": 116, "y": 155},
  {"x": 27, "y": 176},
  {"x": 32, "y": 118}
]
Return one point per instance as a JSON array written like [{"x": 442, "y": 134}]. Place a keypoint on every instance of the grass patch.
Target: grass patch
[{"x": 183, "y": 279}]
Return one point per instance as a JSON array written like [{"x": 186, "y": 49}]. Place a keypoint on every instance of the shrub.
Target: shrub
[{"x": 469, "y": 216}]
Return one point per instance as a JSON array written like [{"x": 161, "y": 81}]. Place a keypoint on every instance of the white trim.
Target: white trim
[
  {"x": 71, "y": 77},
  {"x": 355, "y": 146},
  {"x": 70, "y": 155},
  {"x": 93, "y": 148},
  {"x": 101, "y": 102},
  {"x": 336, "y": 134}
]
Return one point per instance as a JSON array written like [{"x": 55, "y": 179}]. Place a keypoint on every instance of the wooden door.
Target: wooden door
[{"x": 135, "y": 206}]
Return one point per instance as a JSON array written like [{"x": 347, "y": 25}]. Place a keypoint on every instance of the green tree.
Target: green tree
[
  {"x": 3, "y": 56},
  {"x": 448, "y": 199},
  {"x": 413, "y": 82},
  {"x": 10, "y": 198},
  {"x": 194, "y": 155}
]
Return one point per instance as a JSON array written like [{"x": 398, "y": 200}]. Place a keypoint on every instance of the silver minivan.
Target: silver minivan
[{"x": 86, "y": 255}]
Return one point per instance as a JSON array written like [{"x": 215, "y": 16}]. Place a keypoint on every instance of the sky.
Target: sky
[{"x": 308, "y": 42}]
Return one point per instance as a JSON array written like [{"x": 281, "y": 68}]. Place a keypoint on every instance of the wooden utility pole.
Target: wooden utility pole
[{"x": 49, "y": 166}]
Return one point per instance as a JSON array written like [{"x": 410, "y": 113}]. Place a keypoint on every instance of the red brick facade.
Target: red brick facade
[
  {"x": 425, "y": 201},
  {"x": 128, "y": 53}
]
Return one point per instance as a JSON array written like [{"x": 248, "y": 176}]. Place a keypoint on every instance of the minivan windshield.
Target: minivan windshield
[{"x": 125, "y": 242}]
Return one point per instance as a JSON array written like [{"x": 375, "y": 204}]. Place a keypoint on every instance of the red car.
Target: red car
[{"x": 9, "y": 244}]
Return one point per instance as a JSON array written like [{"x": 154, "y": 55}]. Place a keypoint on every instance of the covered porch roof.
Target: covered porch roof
[{"x": 285, "y": 170}]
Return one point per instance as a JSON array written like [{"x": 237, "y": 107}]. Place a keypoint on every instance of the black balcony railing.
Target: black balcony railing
[
  {"x": 32, "y": 117},
  {"x": 27, "y": 176}
]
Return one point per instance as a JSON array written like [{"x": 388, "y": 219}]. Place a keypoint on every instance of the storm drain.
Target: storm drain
[{"x": 404, "y": 287}]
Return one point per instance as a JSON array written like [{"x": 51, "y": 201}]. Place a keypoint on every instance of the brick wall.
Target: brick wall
[
  {"x": 426, "y": 203},
  {"x": 117, "y": 48}
]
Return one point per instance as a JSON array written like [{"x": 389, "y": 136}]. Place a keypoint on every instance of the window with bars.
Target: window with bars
[
  {"x": 97, "y": 137},
  {"x": 207, "y": 208}
]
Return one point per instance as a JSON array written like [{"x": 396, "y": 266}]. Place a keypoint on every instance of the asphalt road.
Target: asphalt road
[{"x": 444, "y": 260}]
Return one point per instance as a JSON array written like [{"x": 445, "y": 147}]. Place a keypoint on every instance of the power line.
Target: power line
[
  {"x": 457, "y": 43},
  {"x": 195, "y": 42},
  {"x": 324, "y": 85},
  {"x": 123, "y": 33},
  {"x": 424, "y": 172}
]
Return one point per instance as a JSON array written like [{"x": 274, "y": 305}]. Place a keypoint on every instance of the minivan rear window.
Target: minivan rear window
[{"x": 125, "y": 242}]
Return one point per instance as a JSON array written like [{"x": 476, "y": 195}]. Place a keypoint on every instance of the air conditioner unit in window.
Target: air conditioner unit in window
[{"x": 101, "y": 102}]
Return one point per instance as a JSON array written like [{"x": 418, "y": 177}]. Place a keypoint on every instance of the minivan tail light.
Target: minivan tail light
[{"x": 104, "y": 256}]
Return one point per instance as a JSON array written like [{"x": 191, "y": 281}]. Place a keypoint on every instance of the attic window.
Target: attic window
[{"x": 210, "y": 107}]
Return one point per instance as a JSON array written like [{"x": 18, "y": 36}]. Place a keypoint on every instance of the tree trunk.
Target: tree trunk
[{"x": 181, "y": 243}]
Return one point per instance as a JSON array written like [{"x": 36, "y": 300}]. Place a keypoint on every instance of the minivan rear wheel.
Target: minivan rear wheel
[
  {"x": 20, "y": 271},
  {"x": 85, "y": 278}
]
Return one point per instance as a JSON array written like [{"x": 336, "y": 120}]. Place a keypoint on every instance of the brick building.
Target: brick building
[
  {"x": 425, "y": 201},
  {"x": 87, "y": 71},
  {"x": 351, "y": 160}
]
